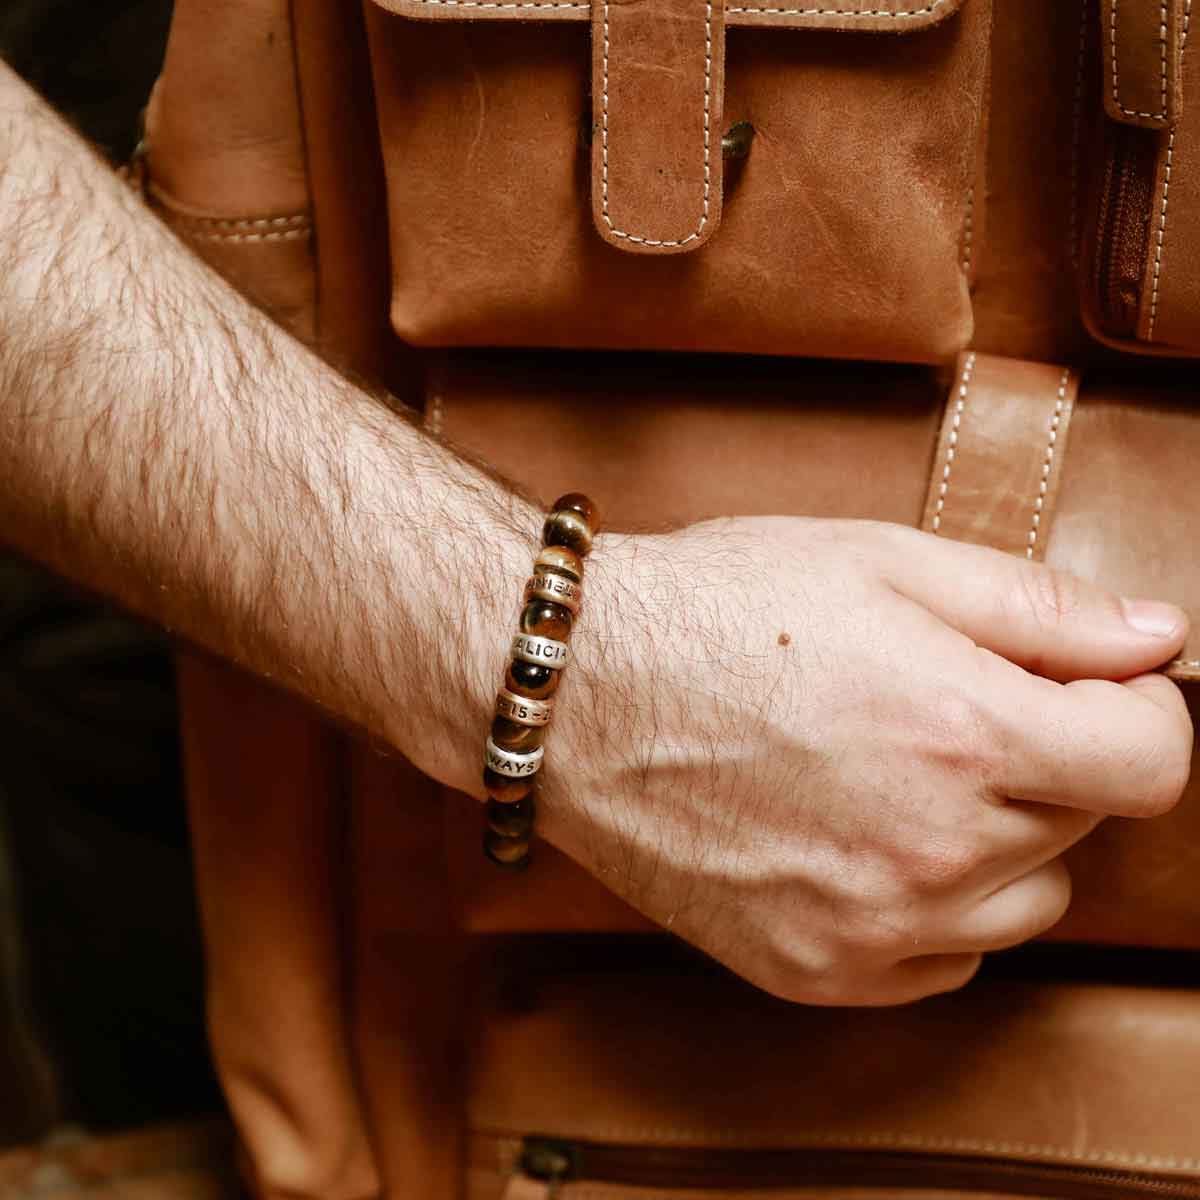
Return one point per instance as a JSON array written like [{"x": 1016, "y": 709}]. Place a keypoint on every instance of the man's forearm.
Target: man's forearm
[{"x": 163, "y": 442}]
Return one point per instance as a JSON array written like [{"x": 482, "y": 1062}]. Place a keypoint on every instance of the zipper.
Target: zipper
[
  {"x": 554, "y": 1163},
  {"x": 1123, "y": 227}
]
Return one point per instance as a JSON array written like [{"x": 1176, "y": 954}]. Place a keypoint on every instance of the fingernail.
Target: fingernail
[{"x": 1152, "y": 617}]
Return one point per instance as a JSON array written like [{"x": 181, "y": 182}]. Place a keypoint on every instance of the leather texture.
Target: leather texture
[
  {"x": 658, "y": 107},
  {"x": 1000, "y": 456},
  {"x": 336, "y": 886},
  {"x": 948, "y": 1075},
  {"x": 843, "y": 232},
  {"x": 1146, "y": 72},
  {"x": 1142, "y": 43},
  {"x": 1171, "y": 292}
]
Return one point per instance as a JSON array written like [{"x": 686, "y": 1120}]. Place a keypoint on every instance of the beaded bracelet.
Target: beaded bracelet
[{"x": 524, "y": 704}]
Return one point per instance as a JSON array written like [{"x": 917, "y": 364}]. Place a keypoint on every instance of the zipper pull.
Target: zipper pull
[{"x": 543, "y": 1166}]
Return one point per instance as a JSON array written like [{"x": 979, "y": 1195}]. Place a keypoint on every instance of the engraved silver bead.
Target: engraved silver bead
[
  {"x": 558, "y": 589},
  {"x": 523, "y": 710},
  {"x": 510, "y": 763},
  {"x": 542, "y": 651}
]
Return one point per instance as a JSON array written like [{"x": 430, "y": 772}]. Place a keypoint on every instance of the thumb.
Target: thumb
[{"x": 1048, "y": 621}]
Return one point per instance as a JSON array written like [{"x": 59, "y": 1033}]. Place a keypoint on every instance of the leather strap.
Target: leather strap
[
  {"x": 999, "y": 458},
  {"x": 1142, "y": 41},
  {"x": 658, "y": 73}
]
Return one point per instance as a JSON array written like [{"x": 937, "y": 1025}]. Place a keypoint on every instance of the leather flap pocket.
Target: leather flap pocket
[
  {"x": 1142, "y": 230},
  {"x": 816, "y": 191},
  {"x": 658, "y": 96}
]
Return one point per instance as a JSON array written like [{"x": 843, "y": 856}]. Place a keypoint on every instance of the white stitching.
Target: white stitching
[
  {"x": 794, "y": 12},
  {"x": 1162, "y": 49},
  {"x": 952, "y": 440},
  {"x": 286, "y": 235},
  {"x": 634, "y": 237},
  {"x": 1184, "y": 662},
  {"x": 299, "y": 220},
  {"x": 481, "y": 4},
  {"x": 1161, "y": 237},
  {"x": 843, "y": 12},
  {"x": 1039, "y": 502}
]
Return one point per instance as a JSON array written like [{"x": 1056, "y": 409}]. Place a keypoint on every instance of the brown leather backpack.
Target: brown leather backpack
[{"x": 898, "y": 242}]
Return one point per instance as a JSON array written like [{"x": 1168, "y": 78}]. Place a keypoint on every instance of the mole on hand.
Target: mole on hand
[{"x": 785, "y": 639}]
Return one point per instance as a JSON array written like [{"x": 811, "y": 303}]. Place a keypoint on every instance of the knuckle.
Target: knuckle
[
  {"x": 880, "y": 934},
  {"x": 957, "y": 975},
  {"x": 937, "y": 865},
  {"x": 1050, "y": 596},
  {"x": 1052, "y": 904},
  {"x": 800, "y": 972},
  {"x": 964, "y": 737},
  {"x": 1168, "y": 781}
]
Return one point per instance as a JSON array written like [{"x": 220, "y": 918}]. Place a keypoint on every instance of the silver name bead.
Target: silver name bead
[
  {"x": 558, "y": 589},
  {"x": 508, "y": 762},
  {"x": 543, "y": 651},
  {"x": 523, "y": 710}
]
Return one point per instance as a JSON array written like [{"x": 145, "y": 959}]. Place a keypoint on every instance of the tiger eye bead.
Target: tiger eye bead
[
  {"x": 544, "y": 619},
  {"x": 520, "y": 739},
  {"x": 562, "y": 559},
  {"x": 578, "y": 502},
  {"x": 512, "y": 820},
  {"x": 512, "y": 853},
  {"x": 565, "y": 527},
  {"x": 504, "y": 790},
  {"x": 531, "y": 680}
]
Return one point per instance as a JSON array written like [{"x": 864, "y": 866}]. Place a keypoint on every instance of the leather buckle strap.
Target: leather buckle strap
[
  {"x": 658, "y": 83},
  {"x": 1000, "y": 454}
]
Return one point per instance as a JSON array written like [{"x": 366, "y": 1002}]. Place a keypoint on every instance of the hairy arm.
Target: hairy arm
[
  {"x": 163, "y": 442},
  {"x": 852, "y": 814}
]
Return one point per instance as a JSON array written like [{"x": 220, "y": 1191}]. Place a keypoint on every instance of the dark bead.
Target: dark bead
[
  {"x": 546, "y": 620},
  {"x": 511, "y": 853},
  {"x": 505, "y": 790},
  {"x": 520, "y": 739},
  {"x": 512, "y": 820},
  {"x": 567, "y": 528},
  {"x": 578, "y": 502},
  {"x": 561, "y": 559},
  {"x": 531, "y": 680}
]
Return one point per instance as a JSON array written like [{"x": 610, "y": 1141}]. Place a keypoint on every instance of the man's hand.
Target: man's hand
[{"x": 845, "y": 758}]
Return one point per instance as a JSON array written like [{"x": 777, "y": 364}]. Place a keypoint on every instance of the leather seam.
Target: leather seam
[
  {"x": 964, "y": 385},
  {"x": 844, "y": 12},
  {"x": 245, "y": 224},
  {"x": 1162, "y": 47},
  {"x": 625, "y": 235},
  {"x": 916, "y": 1141},
  {"x": 1161, "y": 237},
  {"x": 1039, "y": 502},
  {"x": 850, "y": 13}
]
